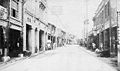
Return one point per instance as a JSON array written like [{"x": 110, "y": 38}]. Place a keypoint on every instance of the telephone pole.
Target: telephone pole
[{"x": 118, "y": 30}]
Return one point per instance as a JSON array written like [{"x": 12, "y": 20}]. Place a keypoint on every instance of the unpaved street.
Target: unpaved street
[{"x": 67, "y": 58}]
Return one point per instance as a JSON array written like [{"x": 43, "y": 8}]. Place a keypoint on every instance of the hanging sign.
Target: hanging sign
[{"x": 3, "y": 13}]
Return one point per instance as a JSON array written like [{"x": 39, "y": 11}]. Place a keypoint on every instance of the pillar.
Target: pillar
[
  {"x": 24, "y": 36},
  {"x": 100, "y": 39},
  {"x": 36, "y": 40},
  {"x": 44, "y": 40},
  {"x": 32, "y": 40},
  {"x": 105, "y": 39},
  {"x": 6, "y": 39}
]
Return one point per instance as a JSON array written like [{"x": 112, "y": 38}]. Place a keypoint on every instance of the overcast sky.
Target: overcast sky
[{"x": 70, "y": 14}]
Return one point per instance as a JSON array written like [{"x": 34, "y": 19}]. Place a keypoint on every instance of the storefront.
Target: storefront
[
  {"x": 114, "y": 43},
  {"x": 14, "y": 43}
]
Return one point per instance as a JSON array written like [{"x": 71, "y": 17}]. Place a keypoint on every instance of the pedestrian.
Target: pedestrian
[
  {"x": 94, "y": 46},
  {"x": 101, "y": 46}
]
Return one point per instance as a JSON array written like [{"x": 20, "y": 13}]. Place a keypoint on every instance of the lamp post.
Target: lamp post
[{"x": 118, "y": 31}]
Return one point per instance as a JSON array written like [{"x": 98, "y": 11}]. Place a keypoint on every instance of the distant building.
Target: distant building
[{"x": 51, "y": 30}]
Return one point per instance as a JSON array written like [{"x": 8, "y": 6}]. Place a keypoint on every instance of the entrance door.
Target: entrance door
[
  {"x": 41, "y": 40},
  {"x": 1, "y": 41},
  {"x": 14, "y": 48}
]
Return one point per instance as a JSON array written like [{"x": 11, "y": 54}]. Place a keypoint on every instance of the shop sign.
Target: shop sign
[{"x": 3, "y": 13}]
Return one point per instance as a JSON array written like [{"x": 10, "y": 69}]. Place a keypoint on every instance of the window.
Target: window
[{"x": 14, "y": 8}]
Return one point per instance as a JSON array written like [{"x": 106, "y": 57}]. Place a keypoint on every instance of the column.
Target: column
[
  {"x": 44, "y": 40},
  {"x": 32, "y": 40},
  {"x": 105, "y": 38},
  {"x": 37, "y": 41},
  {"x": 5, "y": 42},
  {"x": 24, "y": 36},
  {"x": 5, "y": 45},
  {"x": 99, "y": 39}
]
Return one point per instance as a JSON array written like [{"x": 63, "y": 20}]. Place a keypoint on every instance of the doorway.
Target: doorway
[
  {"x": 14, "y": 47},
  {"x": 41, "y": 40},
  {"x": 28, "y": 36}
]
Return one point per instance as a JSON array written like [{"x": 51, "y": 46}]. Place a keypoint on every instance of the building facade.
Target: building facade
[
  {"x": 23, "y": 26},
  {"x": 105, "y": 24},
  {"x": 51, "y": 35},
  {"x": 11, "y": 27},
  {"x": 35, "y": 26}
]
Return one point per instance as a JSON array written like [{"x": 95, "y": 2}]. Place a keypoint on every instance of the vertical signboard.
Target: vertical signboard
[
  {"x": 3, "y": 13},
  {"x": 113, "y": 12}
]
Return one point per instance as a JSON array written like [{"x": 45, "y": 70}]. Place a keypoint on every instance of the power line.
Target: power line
[{"x": 59, "y": 20}]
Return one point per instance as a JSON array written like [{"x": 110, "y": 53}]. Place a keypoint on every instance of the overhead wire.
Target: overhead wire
[{"x": 63, "y": 25}]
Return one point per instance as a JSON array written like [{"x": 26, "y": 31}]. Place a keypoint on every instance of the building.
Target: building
[
  {"x": 35, "y": 26},
  {"x": 105, "y": 24},
  {"x": 21, "y": 24},
  {"x": 60, "y": 37},
  {"x": 51, "y": 34},
  {"x": 10, "y": 27}
]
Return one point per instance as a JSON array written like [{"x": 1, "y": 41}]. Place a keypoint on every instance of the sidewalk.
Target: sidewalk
[
  {"x": 18, "y": 59},
  {"x": 109, "y": 60}
]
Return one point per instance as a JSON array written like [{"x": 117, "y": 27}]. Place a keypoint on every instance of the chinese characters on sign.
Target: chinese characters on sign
[{"x": 3, "y": 13}]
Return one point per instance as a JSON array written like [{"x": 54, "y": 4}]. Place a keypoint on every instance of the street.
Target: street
[{"x": 67, "y": 58}]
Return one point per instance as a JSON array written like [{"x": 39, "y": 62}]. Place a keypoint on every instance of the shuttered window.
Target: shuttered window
[{"x": 14, "y": 8}]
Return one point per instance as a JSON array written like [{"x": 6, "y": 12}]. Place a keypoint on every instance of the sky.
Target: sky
[{"x": 70, "y": 15}]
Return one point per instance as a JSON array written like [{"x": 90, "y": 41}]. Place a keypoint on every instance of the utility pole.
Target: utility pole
[
  {"x": 118, "y": 31},
  {"x": 86, "y": 24},
  {"x": 110, "y": 26}
]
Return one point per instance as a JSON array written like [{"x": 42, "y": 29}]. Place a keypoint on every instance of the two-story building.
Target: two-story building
[
  {"x": 52, "y": 34},
  {"x": 11, "y": 27},
  {"x": 35, "y": 25},
  {"x": 23, "y": 26},
  {"x": 105, "y": 24}
]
